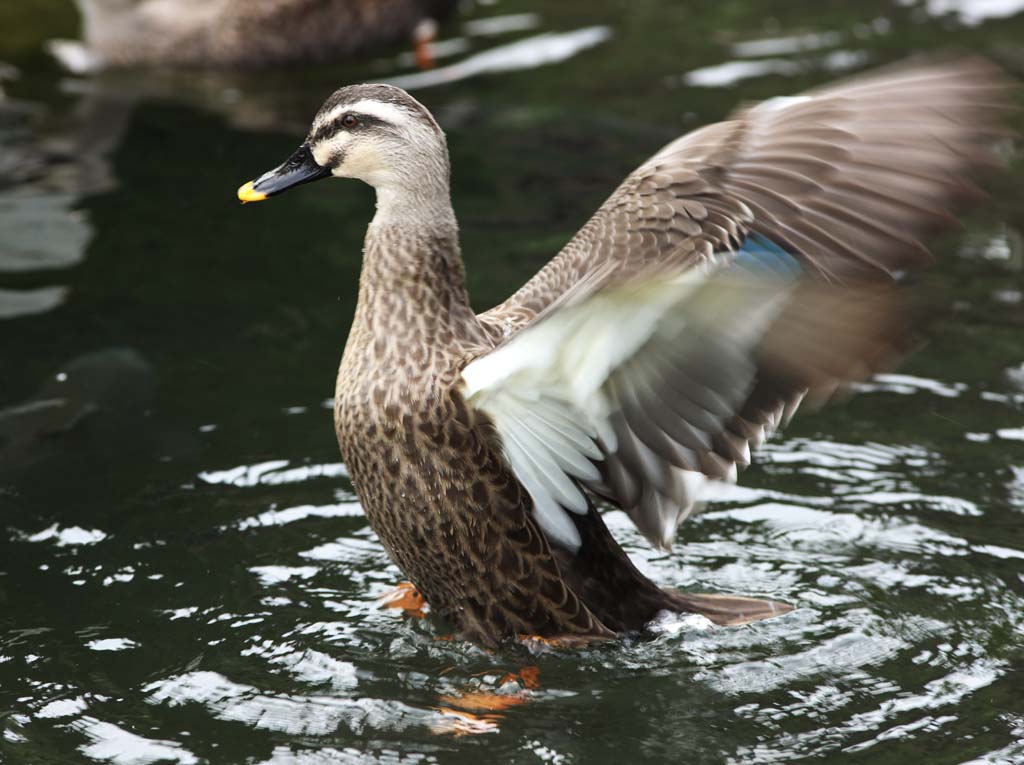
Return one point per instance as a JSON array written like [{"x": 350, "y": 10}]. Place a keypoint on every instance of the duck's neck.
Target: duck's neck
[{"x": 412, "y": 289}]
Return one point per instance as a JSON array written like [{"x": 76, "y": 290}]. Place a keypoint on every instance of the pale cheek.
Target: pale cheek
[
  {"x": 360, "y": 162},
  {"x": 321, "y": 156},
  {"x": 325, "y": 153}
]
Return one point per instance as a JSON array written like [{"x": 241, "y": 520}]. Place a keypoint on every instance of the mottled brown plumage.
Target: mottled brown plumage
[
  {"x": 636, "y": 362},
  {"x": 428, "y": 469}
]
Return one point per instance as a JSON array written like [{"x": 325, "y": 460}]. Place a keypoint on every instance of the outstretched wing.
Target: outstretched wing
[
  {"x": 847, "y": 178},
  {"x": 631, "y": 393},
  {"x": 629, "y": 367}
]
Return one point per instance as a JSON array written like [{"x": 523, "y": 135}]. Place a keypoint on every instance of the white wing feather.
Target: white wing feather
[{"x": 557, "y": 393}]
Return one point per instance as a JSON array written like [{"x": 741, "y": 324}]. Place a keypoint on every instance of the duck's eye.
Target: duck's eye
[{"x": 349, "y": 121}]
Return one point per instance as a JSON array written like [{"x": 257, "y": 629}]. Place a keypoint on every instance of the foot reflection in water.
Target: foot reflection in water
[{"x": 479, "y": 708}]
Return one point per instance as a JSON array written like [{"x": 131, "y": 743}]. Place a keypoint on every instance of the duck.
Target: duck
[
  {"x": 747, "y": 267},
  {"x": 238, "y": 33}
]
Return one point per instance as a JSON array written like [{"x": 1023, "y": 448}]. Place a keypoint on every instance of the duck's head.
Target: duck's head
[{"x": 376, "y": 133}]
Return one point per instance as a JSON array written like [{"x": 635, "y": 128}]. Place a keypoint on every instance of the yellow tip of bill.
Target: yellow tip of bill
[{"x": 247, "y": 193}]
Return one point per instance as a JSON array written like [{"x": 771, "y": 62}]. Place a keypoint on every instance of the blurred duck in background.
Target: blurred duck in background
[{"x": 241, "y": 33}]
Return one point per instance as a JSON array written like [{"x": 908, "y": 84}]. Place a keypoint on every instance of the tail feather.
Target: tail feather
[{"x": 729, "y": 610}]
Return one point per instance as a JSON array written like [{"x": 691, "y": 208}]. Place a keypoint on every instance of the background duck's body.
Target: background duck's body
[
  {"x": 743, "y": 267},
  {"x": 243, "y": 32}
]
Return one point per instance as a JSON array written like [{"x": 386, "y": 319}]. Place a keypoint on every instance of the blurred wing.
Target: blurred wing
[
  {"x": 631, "y": 393},
  {"x": 847, "y": 178}
]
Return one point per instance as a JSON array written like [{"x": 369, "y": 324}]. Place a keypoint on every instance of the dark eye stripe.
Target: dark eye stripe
[{"x": 366, "y": 121}]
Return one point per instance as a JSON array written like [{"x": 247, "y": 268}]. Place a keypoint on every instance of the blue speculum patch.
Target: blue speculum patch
[{"x": 761, "y": 257}]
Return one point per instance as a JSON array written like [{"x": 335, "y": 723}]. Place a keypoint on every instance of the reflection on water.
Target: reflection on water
[
  {"x": 732, "y": 72},
  {"x": 893, "y": 638},
  {"x": 789, "y": 56},
  {"x": 110, "y": 743},
  {"x": 14, "y": 303},
  {"x": 39, "y": 227},
  {"x": 540, "y": 50},
  {"x": 185, "y": 573},
  {"x": 45, "y": 172},
  {"x": 778, "y": 46},
  {"x": 971, "y": 12},
  {"x": 67, "y": 232}
]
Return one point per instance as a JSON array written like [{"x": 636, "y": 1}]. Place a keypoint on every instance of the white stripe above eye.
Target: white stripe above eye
[{"x": 396, "y": 115}]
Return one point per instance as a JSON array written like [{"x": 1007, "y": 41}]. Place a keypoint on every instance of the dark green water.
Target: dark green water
[{"x": 185, "y": 575}]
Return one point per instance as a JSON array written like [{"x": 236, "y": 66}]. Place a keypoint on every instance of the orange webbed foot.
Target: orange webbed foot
[
  {"x": 406, "y": 597},
  {"x": 528, "y": 677},
  {"x": 423, "y": 36}
]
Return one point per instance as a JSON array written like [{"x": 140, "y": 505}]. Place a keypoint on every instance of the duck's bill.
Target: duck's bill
[{"x": 299, "y": 168}]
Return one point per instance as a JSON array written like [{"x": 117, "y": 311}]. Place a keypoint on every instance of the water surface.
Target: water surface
[{"x": 185, "y": 572}]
